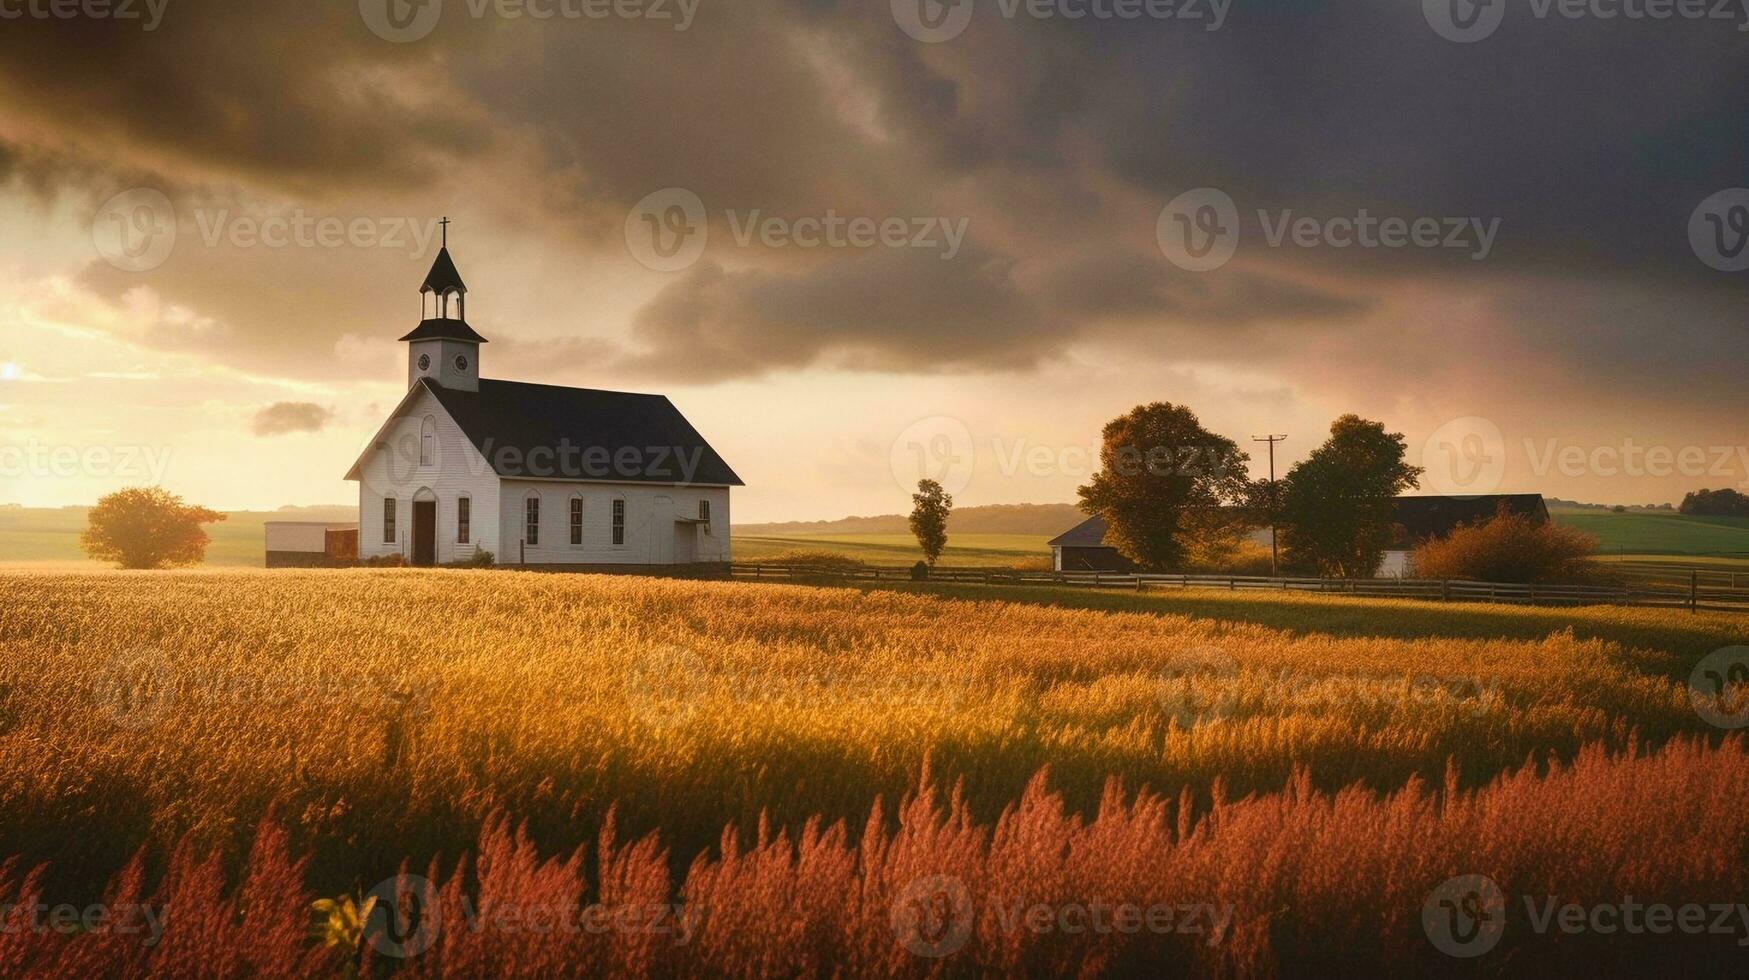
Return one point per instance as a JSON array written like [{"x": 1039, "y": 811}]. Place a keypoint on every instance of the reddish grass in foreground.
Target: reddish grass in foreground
[{"x": 1301, "y": 882}]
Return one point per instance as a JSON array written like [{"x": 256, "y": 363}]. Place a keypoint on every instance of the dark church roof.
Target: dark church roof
[
  {"x": 529, "y": 430},
  {"x": 1419, "y": 517},
  {"x": 443, "y": 276},
  {"x": 444, "y": 328}
]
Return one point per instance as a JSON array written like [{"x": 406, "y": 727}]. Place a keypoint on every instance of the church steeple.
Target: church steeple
[
  {"x": 443, "y": 283},
  {"x": 443, "y": 347}
]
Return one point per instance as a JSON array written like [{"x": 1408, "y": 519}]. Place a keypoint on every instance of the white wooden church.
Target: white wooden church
[{"x": 535, "y": 474}]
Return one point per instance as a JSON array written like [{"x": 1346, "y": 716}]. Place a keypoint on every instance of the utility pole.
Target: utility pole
[{"x": 1274, "y": 551}]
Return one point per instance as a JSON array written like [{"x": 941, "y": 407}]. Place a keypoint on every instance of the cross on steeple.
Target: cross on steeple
[{"x": 445, "y": 224}]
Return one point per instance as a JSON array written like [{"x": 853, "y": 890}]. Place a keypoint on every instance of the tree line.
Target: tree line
[{"x": 1715, "y": 503}]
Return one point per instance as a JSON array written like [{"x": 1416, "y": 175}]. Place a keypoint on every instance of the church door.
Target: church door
[{"x": 424, "y": 532}]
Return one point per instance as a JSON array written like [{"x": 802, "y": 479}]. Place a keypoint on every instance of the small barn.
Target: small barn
[
  {"x": 1082, "y": 548},
  {"x": 311, "y": 544}
]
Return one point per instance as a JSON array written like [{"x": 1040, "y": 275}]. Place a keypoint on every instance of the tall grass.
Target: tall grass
[
  {"x": 1296, "y": 882},
  {"x": 384, "y": 715}
]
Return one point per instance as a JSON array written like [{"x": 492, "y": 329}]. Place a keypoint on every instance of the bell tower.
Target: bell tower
[{"x": 443, "y": 347}]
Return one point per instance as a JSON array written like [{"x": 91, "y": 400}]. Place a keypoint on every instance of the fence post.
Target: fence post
[
  {"x": 1445, "y": 590},
  {"x": 1138, "y": 582},
  {"x": 1694, "y": 590},
  {"x": 1232, "y": 585}
]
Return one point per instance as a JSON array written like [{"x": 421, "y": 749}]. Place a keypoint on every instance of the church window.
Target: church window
[
  {"x": 388, "y": 520},
  {"x": 428, "y": 442},
  {"x": 464, "y": 508},
  {"x": 531, "y": 520},
  {"x": 619, "y": 521},
  {"x": 576, "y": 520}
]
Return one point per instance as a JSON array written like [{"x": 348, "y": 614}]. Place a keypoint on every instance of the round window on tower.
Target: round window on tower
[
  {"x": 424, "y": 362},
  {"x": 461, "y": 362}
]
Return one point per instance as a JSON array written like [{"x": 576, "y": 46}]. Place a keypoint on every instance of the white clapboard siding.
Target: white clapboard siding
[
  {"x": 394, "y": 468},
  {"x": 650, "y": 526}
]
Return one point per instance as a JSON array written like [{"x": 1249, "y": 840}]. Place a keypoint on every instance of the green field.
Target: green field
[
  {"x": 1649, "y": 533},
  {"x": 1640, "y": 534},
  {"x": 996, "y": 550}
]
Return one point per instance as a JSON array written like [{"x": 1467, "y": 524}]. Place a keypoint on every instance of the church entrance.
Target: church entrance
[{"x": 424, "y": 532}]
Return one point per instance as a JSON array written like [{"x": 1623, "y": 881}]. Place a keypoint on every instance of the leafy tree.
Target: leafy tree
[
  {"x": 1163, "y": 484},
  {"x": 930, "y": 507},
  {"x": 1337, "y": 507},
  {"x": 147, "y": 527}
]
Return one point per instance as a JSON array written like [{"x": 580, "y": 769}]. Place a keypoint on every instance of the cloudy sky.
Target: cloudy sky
[{"x": 854, "y": 241}]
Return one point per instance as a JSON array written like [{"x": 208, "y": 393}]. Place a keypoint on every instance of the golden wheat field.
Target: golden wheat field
[{"x": 365, "y": 721}]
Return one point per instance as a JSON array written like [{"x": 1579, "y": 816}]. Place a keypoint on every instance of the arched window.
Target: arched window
[
  {"x": 576, "y": 520},
  {"x": 428, "y": 442}
]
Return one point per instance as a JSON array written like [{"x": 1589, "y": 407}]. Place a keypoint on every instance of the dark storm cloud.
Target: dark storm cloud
[
  {"x": 1137, "y": 286},
  {"x": 893, "y": 311},
  {"x": 1590, "y": 142},
  {"x": 293, "y": 93}
]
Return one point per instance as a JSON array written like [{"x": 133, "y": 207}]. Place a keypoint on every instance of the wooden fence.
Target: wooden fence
[
  {"x": 1681, "y": 574},
  {"x": 1693, "y": 594}
]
